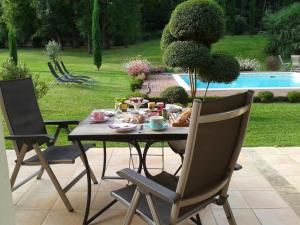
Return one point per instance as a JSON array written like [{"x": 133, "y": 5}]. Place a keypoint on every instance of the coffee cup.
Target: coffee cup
[{"x": 156, "y": 122}]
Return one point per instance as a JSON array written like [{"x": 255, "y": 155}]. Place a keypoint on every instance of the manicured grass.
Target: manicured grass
[{"x": 270, "y": 125}]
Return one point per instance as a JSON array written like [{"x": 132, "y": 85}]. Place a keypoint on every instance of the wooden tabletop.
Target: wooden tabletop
[{"x": 100, "y": 131}]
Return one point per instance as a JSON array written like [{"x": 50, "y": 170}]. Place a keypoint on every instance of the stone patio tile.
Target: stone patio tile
[
  {"x": 277, "y": 159},
  {"x": 264, "y": 199},
  {"x": 277, "y": 216},
  {"x": 32, "y": 200},
  {"x": 77, "y": 200},
  {"x": 294, "y": 181},
  {"x": 242, "y": 217},
  {"x": 252, "y": 183},
  {"x": 292, "y": 169},
  {"x": 30, "y": 217},
  {"x": 63, "y": 217},
  {"x": 236, "y": 200}
]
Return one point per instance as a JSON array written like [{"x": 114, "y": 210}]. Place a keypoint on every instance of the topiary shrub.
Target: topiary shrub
[
  {"x": 136, "y": 84},
  {"x": 198, "y": 20},
  {"x": 265, "y": 96},
  {"x": 186, "y": 41},
  {"x": 175, "y": 94},
  {"x": 215, "y": 71},
  {"x": 167, "y": 38},
  {"x": 188, "y": 53},
  {"x": 294, "y": 96}
]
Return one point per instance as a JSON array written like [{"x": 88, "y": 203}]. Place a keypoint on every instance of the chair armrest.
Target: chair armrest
[
  {"x": 149, "y": 186},
  {"x": 61, "y": 122},
  {"x": 32, "y": 138}
]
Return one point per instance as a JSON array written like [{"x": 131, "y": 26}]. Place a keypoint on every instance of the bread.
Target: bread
[{"x": 183, "y": 119}]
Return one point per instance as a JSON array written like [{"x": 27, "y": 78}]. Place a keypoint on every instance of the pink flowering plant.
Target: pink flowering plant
[{"x": 137, "y": 66}]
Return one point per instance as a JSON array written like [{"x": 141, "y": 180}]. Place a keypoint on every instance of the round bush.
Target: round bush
[
  {"x": 175, "y": 94},
  {"x": 221, "y": 69},
  {"x": 187, "y": 54},
  {"x": 198, "y": 20},
  {"x": 265, "y": 96},
  {"x": 294, "y": 96},
  {"x": 166, "y": 38}
]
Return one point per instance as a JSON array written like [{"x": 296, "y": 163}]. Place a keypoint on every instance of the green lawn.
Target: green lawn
[{"x": 270, "y": 125}]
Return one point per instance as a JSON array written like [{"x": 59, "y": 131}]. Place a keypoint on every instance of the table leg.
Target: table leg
[
  {"x": 147, "y": 146},
  {"x": 139, "y": 151},
  {"x": 89, "y": 190}
]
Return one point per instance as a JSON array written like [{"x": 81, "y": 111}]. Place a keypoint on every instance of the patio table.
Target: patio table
[{"x": 87, "y": 131}]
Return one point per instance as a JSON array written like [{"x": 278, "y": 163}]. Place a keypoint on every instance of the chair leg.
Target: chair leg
[
  {"x": 53, "y": 178},
  {"x": 93, "y": 177},
  {"x": 40, "y": 174},
  {"x": 229, "y": 213},
  {"x": 133, "y": 205},
  {"x": 18, "y": 165},
  {"x": 153, "y": 210},
  {"x": 179, "y": 168}
]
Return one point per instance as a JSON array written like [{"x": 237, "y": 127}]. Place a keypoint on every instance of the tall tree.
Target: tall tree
[
  {"x": 124, "y": 21},
  {"x": 83, "y": 20},
  {"x": 252, "y": 15},
  {"x": 12, "y": 44},
  {"x": 96, "y": 35},
  {"x": 232, "y": 15}
]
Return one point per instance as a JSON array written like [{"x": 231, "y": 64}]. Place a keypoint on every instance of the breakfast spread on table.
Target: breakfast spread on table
[{"x": 157, "y": 116}]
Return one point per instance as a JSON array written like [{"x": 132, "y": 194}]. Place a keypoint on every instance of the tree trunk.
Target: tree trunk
[{"x": 90, "y": 51}]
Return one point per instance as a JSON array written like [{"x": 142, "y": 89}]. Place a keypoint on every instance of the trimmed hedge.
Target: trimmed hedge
[
  {"x": 136, "y": 84},
  {"x": 265, "y": 96},
  {"x": 294, "y": 96},
  {"x": 186, "y": 54},
  {"x": 198, "y": 20}
]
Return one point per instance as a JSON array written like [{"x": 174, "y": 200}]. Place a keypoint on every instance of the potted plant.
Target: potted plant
[{"x": 187, "y": 39}]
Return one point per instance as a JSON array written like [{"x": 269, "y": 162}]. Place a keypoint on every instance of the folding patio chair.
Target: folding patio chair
[
  {"x": 66, "y": 71},
  {"x": 209, "y": 107},
  {"x": 27, "y": 131},
  {"x": 213, "y": 147},
  {"x": 284, "y": 66}
]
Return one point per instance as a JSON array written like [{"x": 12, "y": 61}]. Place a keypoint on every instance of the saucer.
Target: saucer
[{"x": 166, "y": 126}]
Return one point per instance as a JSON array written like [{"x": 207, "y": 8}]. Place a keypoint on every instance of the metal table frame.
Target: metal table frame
[{"x": 99, "y": 132}]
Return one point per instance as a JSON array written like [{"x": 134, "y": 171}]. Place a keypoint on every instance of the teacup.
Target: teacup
[
  {"x": 97, "y": 115},
  {"x": 156, "y": 122}
]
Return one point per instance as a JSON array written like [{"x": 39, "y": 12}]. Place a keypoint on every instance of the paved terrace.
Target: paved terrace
[
  {"x": 157, "y": 83},
  {"x": 265, "y": 191}
]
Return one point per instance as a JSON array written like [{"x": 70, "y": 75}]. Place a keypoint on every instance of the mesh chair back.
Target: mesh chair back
[
  {"x": 20, "y": 108},
  {"x": 213, "y": 147}
]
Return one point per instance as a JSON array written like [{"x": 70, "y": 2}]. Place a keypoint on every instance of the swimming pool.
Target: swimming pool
[{"x": 255, "y": 80}]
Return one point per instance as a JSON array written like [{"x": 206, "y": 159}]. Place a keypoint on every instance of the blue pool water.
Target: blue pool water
[{"x": 256, "y": 80}]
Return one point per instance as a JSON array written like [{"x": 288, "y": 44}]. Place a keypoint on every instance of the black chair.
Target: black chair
[
  {"x": 27, "y": 131},
  {"x": 66, "y": 71},
  {"x": 209, "y": 107},
  {"x": 213, "y": 147},
  {"x": 67, "y": 76},
  {"x": 62, "y": 79}
]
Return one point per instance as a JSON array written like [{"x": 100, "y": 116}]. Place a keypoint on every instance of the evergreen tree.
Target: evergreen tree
[
  {"x": 252, "y": 15},
  {"x": 12, "y": 44},
  {"x": 96, "y": 35}
]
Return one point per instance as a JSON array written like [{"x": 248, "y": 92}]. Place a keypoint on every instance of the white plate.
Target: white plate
[
  {"x": 106, "y": 118},
  {"x": 123, "y": 127}
]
